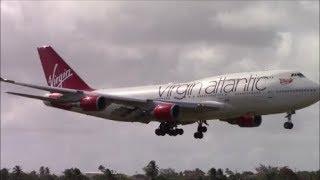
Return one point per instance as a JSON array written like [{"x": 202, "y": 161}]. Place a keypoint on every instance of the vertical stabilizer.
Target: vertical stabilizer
[{"x": 58, "y": 73}]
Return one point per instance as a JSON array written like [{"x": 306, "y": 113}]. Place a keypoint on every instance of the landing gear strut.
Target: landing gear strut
[
  {"x": 200, "y": 130},
  {"x": 289, "y": 124},
  {"x": 168, "y": 128}
]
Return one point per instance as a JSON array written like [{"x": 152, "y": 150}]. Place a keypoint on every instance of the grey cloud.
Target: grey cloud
[{"x": 126, "y": 44}]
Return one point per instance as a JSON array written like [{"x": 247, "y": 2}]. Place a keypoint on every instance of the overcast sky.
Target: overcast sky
[{"x": 119, "y": 44}]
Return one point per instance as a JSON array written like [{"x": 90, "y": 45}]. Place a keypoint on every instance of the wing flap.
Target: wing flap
[
  {"x": 209, "y": 105},
  {"x": 133, "y": 102}
]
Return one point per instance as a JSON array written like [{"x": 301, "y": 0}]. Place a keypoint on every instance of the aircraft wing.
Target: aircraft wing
[
  {"x": 72, "y": 95},
  {"x": 213, "y": 105},
  {"x": 38, "y": 97},
  {"x": 69, "y": 92},
  {"x": 45, "y": 88},
  {"x": 149, "y": 103}
]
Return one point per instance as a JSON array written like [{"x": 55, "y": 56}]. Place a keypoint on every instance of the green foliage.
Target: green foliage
[
  {"x": 107, "y": 174},
  {"x": 308, "y": 175},
  {"x": 267, "y": 172},
  {"x": 287, "y": 174},
  {"x": 167, "y": 174},
  {"x": 73, "y": 174},
  {"x": 17, "y": 172},
  {"x": 4, "y": 174},
  {"x": 44, "y": 174},
  {"x": 194, "y": 174},
  {"x": 152, "y": 172},
  {"x": 231, "y": 175},
  {"x": 212, "y": 173},
  {"x": 220, "y": 175}
]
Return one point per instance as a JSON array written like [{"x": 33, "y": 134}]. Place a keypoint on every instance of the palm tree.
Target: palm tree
[
  {"x": 42, "y": 171},
  {"x": 46, "y": 171},
  {"x": 107, "y": 173},
  {"x": 17, "y": 171},
  {"x": 151, "y": 170},
  {"x": 212, "y": 174},
  {"x": 220, "y": 174}
]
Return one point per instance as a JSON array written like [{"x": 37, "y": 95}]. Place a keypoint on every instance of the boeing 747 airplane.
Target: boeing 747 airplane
[{"x": 239, "y": 99}]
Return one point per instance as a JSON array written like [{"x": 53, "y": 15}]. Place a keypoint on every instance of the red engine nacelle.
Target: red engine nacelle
[
  {"x": 93, "y": 103},
  {"x": 247, "y": 121},
  {"x": 57, "y": 96},
  {"x": 87, "y": 103},
  {"x": 166, "y": 111}
]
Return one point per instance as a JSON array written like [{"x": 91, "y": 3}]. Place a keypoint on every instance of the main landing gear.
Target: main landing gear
[
  {"x": 168, "y": 128},
  {"x": 201, "y": 129},
  {"x": 289, "y": 124}
]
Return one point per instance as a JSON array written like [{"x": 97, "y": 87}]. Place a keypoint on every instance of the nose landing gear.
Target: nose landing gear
[
  {"x": 200, "y": 130},
  {"x": 289, "y": 124}
]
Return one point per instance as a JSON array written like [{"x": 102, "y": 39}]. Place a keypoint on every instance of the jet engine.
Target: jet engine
[
  {"x": 86, "y": 103},
  {"x": 166, "y": 111},
  {"x": 93, "y": 103},
  {"x": 246, "y": 121}
]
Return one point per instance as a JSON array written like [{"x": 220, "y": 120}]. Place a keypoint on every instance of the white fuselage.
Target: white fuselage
[{"x": 261, "y": 93}]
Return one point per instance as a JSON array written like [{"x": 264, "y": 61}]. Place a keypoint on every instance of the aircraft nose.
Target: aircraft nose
[
  {"x": 318, "y": 92},
  {"x": 313, "y": 89},
  {"x": 316, "y": 87}
]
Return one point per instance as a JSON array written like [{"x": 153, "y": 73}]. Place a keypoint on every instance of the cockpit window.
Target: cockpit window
[{"x": 297, "y": 75}]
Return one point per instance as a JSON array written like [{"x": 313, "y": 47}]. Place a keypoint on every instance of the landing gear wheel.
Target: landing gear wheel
[
  {"x": 198, "y": 135},
  {"x": 168, "y": 128},
  {"x": 180, "y": 131},
  {"x": 173, "y": 132},
  {"x": 202, "y": 129},
  {"x": 159, "y": 132},
  {"x": 164, "y": 127},
  {"x": 288, "y": 125}
]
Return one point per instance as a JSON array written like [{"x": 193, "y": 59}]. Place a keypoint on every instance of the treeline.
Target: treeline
[{"x": 153, "y": 172}]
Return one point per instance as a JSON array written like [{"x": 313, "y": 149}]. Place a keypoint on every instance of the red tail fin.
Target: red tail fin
[{"x": 58, "y": 73}]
